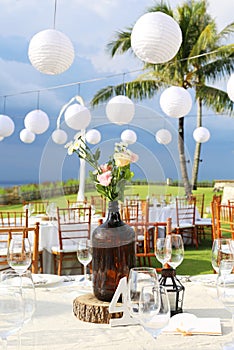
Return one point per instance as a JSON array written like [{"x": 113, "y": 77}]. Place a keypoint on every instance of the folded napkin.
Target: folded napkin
[{"x": 189, "y": 324}]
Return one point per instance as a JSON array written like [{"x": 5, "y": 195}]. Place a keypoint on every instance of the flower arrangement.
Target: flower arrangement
[{"x": 109, "y": 178}]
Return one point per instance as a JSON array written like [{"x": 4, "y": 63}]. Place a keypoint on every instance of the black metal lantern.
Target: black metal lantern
[{"x": 175, "y": 290}]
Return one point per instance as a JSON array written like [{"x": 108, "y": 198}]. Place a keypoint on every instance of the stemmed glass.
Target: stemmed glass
[
  {"x": 19, "y": 254},
  {"x": 225, "y": 292},
  {"x": 11, "y": 307},
  {"x": 51, "y": 212},
  {"x": 163, "y": 249},
  {"x": 154, "y": 309},
  {"x": 177, "y": 250},
  {"x": 84, "y": 255},
  {"x": 138, "y": 278},
  {"x": 222, "y": 249}
]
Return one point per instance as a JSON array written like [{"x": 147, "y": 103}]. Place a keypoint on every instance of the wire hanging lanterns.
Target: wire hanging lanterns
[
  {"x": 163, "y": 136},
  {"x": 120, "y": 110},
  {"x": 129, "y": 136},
  {"x": 176, "y": 102},
  {"x": 59, "y": 136},
  {"x": 93, "y": 136},
  {"x": 201, "y": 134},
  {"x": 7, "y": 126},
  {"x": 37, "y": 121},
  {"x": 156, "y": 37},
  {"x": 27, "y": 136}
]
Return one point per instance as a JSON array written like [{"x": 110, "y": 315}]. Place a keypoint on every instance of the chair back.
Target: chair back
[
  {"x": 38, "y": 207},
  {"x": 200, "y": 200},
  {"x": 73, "y": 224},
  {"x": 77, "y": 204},
  {"x": 14, "y": 218},
  {"x": 99, "y": 205},
  {"x": 185, "y": 210},
  {"x": 6, "y": 234},
  {"x": 224, "y": 220},
  {"x": 142, "y": 211}
]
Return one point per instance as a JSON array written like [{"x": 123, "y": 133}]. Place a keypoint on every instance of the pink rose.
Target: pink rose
[
  {"x": 105, "y": 167},
  {"x": 104, "y": 178},
  {"x": 134, "y": 157}
]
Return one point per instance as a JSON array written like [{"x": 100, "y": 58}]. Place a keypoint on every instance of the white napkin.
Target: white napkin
[{"x": 189, "y": 324}]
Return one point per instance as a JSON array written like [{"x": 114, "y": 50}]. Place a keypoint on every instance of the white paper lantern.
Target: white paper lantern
[
  {"x": 176, "y": 102},
  {"x": 230, "y": 87},
  {"x": 120, "y": 110},
  {"x": 77, "y": 116},
  {"x": 129, "y": 136},
  {"x": 27, "y": 136},
  {"x": 156, "y": 37},
  {"x": 201, "y": 134},
  {"x": 7, "y": 126},
  {"x": 59, "y": 136},
  {"x": 93, "y": 136},
  {"x": 51, "y": 52},
  {"x": 1, "y": 138},
  {"x": 37, "y": 121},
  {"x": 163, "y": 136}
]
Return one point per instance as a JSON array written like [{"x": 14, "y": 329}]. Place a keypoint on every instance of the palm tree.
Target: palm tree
[{"x": 202, "y": 59}]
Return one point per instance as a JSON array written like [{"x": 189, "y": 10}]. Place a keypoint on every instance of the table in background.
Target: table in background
[{"x": 55, "y": 327}]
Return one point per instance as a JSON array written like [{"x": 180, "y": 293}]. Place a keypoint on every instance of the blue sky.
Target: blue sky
[{"x": 91, "y": 25}]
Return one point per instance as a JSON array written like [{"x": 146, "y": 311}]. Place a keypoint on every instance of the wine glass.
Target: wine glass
[
  {"x": 138, "y": 277},
  {"x": 222, "y": 249},
  {"x": 154, "y": 309},
  {"x": 51, "y": 212},
  {"x": 163, "y": 249},
  {"x": 84, "y": 255},
  {"x": 19, "y": 254},
  {"x": 225, "y": 292},
  {"x": 11, "y": 306},
  {"x": 25, "y": 282},
  {"x": 177, "y": 250}
]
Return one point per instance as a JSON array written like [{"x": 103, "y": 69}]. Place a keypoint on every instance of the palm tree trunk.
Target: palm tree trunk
[
  {"x": 183, "y": 167},
  {"x": 197, "y": 151}
]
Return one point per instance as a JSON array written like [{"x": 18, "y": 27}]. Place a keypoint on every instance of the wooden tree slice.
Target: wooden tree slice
[{"x": 88, "y": 308}]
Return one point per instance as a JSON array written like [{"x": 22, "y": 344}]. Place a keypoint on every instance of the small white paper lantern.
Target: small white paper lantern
[
  {"x": 120, "y": 110},
  {"x": 7, "y": 126},
  {"x": 156, "y": 37},
  {"x": 129, "y": 136},
  {"x": 93, "y": 136},
  {"x": 37, "y": 121},
  {"x": 230, "y": 87},
  {"x": 27, "y": 136},
  {"x": 201, "y": 134},
  {"x": 59, "y": 136},
  {"x": 163, "y": 136},
  {"x": 176, "y": 102},
  {"x": 77, "y": 116},
  {"x": 51, "y": 52}
]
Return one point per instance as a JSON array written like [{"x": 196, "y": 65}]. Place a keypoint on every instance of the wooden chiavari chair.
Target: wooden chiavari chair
[
  {"x": 6, "y": 234},
  {"x": 73, "y": 224},
  {"x": 38, "y": 207},
  {"x": 99, "y": 204}
]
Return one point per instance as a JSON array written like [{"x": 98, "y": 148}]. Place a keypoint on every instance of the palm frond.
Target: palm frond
[{"x": 121, "y": 42}]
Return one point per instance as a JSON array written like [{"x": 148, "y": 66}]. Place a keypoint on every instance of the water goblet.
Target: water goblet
[
  {"x": 177, "y": 250},
  {"x": 11, "y": 306},
  {"x": 154, "y": 309},
  {"x": 163, "y": 249},
  {"x": 138, "y": 277},
  {"x": 51, "y": 212},
  {"x": 19, "y": 254},
  {"x": 84, "y": 255},
  {"x": 222, "y": 249},
  {"x": 225, "y": 293}
]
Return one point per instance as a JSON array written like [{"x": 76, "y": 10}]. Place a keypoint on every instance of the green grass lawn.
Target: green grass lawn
[{"x": 196, "y": 261}]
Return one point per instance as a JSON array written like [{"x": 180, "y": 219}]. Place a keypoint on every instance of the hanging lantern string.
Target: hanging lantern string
[
  {"x": 101, "y": 78},
  {"x": 55, "y": 11}
]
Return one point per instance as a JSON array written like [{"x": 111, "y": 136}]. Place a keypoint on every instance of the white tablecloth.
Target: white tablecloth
[
  {"x": 55, "y": 327},
  {"x": 161, "y": 214}
]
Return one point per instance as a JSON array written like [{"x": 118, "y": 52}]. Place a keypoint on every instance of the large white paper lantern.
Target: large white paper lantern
[
  {"x": 163, "y": 136},
  {"x": 51, "y": 52},
  {"x": 77, "y": 116},
  {"x": 176, "y": 102},
  {"x": 230, "y": 87},
  {"x": 37, "y": 121},
  {"x": 59, "y": 136},
  {"x": 7, "y": 126},
  {"x": 156, "y": 37},
  {"x": 93, "y": 136},
  {"x": 129, "y": 136},
  {"x": 201, "y": 134},
  {"x": 27, "y": 136},
  {"x": 120, "y": 110}
]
